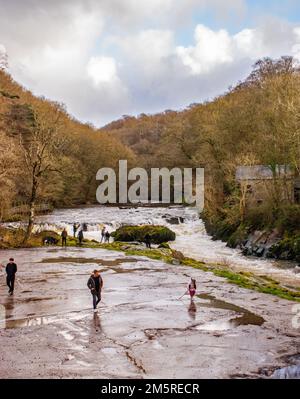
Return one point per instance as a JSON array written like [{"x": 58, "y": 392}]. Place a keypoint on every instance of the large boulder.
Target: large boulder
[{"x": 158, "y": 234}]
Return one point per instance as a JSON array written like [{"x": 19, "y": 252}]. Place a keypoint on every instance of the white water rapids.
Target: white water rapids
[{"x": 191, "y": 237}]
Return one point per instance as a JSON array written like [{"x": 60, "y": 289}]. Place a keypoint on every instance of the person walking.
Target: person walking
[
  {"x": 75, "y": 228},
  {"x": 107, "y": 237},
  {"x": 64, "y": 236},
  {"x": 148, "y": 240},
  {"x": 80, "y": 236},
  {"x": 11, "y": 270},
  {"x": 192, "y": 288},
  {"x": 95, "y": 285},
  {"x": 103, "y": 231}
]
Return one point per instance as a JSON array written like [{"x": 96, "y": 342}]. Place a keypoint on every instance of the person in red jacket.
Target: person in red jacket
[{"x": 192, "y": 288}]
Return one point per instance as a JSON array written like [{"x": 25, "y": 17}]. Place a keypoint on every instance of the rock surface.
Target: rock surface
[{"x": 141, "y": 329}]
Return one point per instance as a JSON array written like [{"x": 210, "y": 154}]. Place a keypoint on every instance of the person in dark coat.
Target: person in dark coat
[
  {"x": 11, "y": 270},
  {"x": 75, "y": 228},
  {"x": 64, "y": 236},
  {"x": 103, "y": 232},
  {"x": 80, "y": 237},
  {"x": 107, "y": 237},
  {"x": 148, "y": 240},
  {"x": 95, "y": 284}
]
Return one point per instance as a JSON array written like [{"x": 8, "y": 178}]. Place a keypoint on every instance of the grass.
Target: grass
[{"x": 247, "y": 280}]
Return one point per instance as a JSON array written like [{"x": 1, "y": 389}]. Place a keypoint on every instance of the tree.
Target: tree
[
  {"x": 8, "y": 170},
  {"x": 40, "y": 142}
]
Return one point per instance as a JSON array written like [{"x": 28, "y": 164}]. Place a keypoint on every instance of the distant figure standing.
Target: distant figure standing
[
  {"x": 148, "y": 240},
  {"x": 107, "y": 237},
  {"x": 103, "y": 231},
  {"x": 80, "y": 237},
  {"x": 75, "y": 228},
  {"x": 84, "y": 227},
  {"x": 192, "y": 288},
  {"x": 64, "y": 236},
  {"x": 95, "y": 284},
  {"x": 11, "y": 270}
]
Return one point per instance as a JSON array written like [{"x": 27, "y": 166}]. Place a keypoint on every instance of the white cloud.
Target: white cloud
[
  {"x": 102, "y": 70},
  {"x": 147, "y": 52},
  {"x": 215, "y": 48},
  {"x": 107, "y": 89},
  {"x": 296, "y": 47},
  {"x": 211, "y": 49}
]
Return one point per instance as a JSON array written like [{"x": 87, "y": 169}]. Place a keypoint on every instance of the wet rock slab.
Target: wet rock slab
[{"x": 142, "y": 329}]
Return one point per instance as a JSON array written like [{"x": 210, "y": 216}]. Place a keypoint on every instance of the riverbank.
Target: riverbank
[
  {"x": 244, "y": 279},
  {"x": 14, "y": 238},
  {"x": 256, "y": 236}
]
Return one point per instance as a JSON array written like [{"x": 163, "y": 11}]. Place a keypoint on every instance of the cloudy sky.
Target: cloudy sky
[{"x": 107, "y": 58}]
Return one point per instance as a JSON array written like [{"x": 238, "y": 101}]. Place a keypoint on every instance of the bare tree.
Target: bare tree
[
  {"x": 38, "y": 130},
  {"x": 8, "y": 171}
]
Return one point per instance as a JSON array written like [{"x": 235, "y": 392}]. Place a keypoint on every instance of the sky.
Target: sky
[{"x": 108, "y": 58}]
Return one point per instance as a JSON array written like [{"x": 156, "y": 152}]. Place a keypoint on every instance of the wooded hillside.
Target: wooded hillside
[
  {"x": 45, "y": 154},
  {"x": 46, "y": 151}
]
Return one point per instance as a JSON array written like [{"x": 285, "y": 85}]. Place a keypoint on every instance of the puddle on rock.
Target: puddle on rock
[
  {"x": 111, "y": 264},
  {"x": 32, "y": 320},
  {"x": 139, "y": 269},
  {"x": 246, "y": 318},
  {"x": 103, "y": 262},
  {"x": 37, "y": 299},
  {"x": 27, "y": 322}
]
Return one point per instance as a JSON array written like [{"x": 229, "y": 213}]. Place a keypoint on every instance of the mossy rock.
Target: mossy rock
[
  {"x": 158, "y": 234},
  {"x": 164, "y": 245},
  {"x": 287, "y": 249}
]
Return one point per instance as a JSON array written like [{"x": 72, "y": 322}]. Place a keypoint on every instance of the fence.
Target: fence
[{"x": 23, "y": 210}]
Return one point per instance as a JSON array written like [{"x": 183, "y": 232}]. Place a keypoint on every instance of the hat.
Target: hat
[{"x": 11, "y": 259}]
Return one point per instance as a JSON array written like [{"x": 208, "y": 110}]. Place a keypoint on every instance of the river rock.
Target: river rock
[
  {"x": 175, "y": 220},
  {"x": 260, "y": 243}
]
